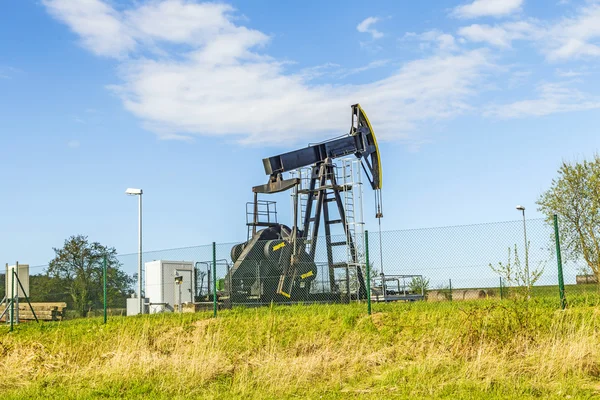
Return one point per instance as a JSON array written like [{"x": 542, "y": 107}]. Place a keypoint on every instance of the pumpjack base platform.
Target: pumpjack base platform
[{"x": 313, "y": 298}]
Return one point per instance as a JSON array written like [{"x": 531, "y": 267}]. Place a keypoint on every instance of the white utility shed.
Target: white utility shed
[{"x": 161, "y": 288}]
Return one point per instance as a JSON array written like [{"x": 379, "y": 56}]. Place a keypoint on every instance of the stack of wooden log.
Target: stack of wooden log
[{"x": 43, "y": 311}]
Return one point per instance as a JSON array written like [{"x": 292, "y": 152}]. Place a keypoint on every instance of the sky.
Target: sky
[{"x": 475, "y": 105}]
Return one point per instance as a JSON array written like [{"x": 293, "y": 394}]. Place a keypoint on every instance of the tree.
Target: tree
[
  {"x": 515, "y": 275},
  {"x": 79, "y": 267},
  {"x": 575, "y": 197},
  {"x": 45, "y": 288},
  {"x": 419, "y": 284}
]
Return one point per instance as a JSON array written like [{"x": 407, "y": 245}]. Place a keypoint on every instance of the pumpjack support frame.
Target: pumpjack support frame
[{"x": 293, "y": 251}]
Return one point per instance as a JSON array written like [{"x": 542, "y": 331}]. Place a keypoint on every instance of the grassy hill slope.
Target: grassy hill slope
[{"x": 480, "y": 349}]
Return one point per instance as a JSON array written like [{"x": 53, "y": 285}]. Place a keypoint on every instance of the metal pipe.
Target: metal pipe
[
  {"x": 6, "y": 310},
  {"x": 368, "y": 272},
  {"x": 295, "y": 230},
  {"x": 208, "y": 275},
  {"x": 526, "y": 251},
  {"x": 16, "y": 274},
  {"x": 12, "y": 300},
  {"x": 255, "y": 219},
  {"x": 380, "y": 246},
  {"x": 214, "y": 268},
  {"x": 104, "y": 265},
  {"x": 6, "y": 286},
  {"x": 383, "y": 287},
  {"x": 140, "y": 254},
  {"x": 229, "y": 278},
  {"x": 196, "y": 278},
  {"x": 257, "y": 282},
  {"x": 179, "y": 308},
  {"x": 527, "y": 279}
]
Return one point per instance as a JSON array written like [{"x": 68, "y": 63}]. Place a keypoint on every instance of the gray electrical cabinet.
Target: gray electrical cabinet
[
  {"x": 169, "y": 282},
  {"x": 133, "y": 306},
  {"x": 23, "y": 274}
]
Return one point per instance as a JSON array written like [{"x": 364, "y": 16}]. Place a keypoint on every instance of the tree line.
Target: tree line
[
  {"x": 75, "y": 276},
  {"x": 574, "y": 196}
]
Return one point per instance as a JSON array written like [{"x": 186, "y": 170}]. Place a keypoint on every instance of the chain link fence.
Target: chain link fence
[{"x": 435, "y": 264}]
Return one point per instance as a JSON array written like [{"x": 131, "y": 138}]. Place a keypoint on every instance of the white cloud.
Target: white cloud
[
  {"x": 366, "y": 27},
  {"x": 108, "y": 32},
  {"x": 575, "y": 37},
  {"x": 100, "y": 27},
  {"x": 552, "y": 98},
  {"x": 331, "y": 70},
  {"x": 487, "y": 8},
  {"x": 206, "y": 76},
  {"x": 568, "y": 73},
  {"x": 260, "y": 101},
  {"x": 318, "y": 71},
  {"x": 501, "y": 35},
  {"x": 573, "y": 48},
  {"x": 566, "y": 39},
  {"x": 181, "y": 21},
  {"x": 353, "y": 71},
  {"x": 446, "y": 42},
  {"x": 493, "y": 35},
  {"x": 440, "y": 40}
]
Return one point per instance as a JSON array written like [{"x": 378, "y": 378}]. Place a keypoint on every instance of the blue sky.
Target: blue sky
[{"x": 475, "y": 103}]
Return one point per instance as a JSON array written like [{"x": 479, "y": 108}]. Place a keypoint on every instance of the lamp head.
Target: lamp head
[{"x": 133, "y": 192}]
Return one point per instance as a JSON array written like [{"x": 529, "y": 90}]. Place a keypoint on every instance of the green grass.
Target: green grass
[
  {"x": 461, "y": 350},
  {"x": 552, "y": 291},
  {"x": 571, "y": 290}
]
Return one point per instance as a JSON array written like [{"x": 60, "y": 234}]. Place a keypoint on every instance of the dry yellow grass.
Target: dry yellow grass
[{"x": 446, "y": 350}]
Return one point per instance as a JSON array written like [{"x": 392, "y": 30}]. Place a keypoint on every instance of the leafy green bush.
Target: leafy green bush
[{"x": 419, "y": 284}]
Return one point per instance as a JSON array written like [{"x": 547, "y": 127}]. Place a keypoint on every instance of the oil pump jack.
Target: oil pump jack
[{"x": 277, "y": 263}]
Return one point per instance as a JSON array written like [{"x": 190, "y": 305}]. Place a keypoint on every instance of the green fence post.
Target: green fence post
[
  {"x": 104, "y": 284},
  {"x": 561, "y": 282},
  {"x": 214, "y": 282},
  {"x": 12, "y": 300},
  {"x": 26, "y": 299},
  {"x": 368, "y": 272},
  {"x": 501, "y": 293},
  {"x": 450, "y": 282}
]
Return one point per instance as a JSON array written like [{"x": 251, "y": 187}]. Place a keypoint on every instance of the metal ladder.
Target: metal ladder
[
  {"x": 351, "y": 179},
  {"x": 304, "y": 174},
  {"x": 346, "y": 186},
  {"x": 347, "y": 181}
]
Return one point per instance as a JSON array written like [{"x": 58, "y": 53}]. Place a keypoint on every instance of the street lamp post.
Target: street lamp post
[
  {"x": 522, "y": 209},
  {"x": 139, "y": 192}
]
